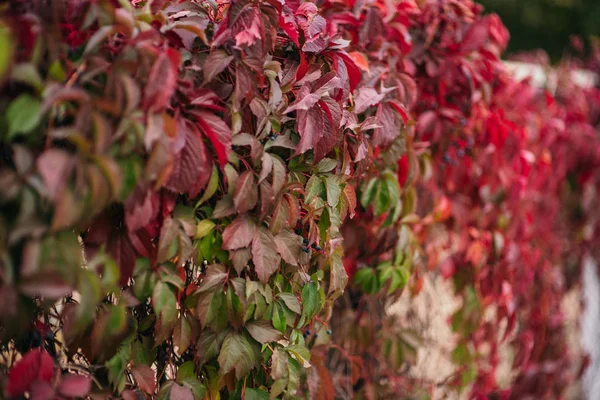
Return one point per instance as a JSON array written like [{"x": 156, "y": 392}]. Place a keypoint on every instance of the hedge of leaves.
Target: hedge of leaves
[{"x": 187, "y": 187}]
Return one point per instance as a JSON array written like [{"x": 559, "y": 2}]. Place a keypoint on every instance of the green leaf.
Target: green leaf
[
  {"x": 208, "y": 346},
  {"x": 256, "y": 394},
  {"x": 388, "y": 193},
  {"x": 326, "y": 165},
  {"x": 203, "y": 228},
  {"x": 211, "y": 188},
  {"x": 235, "y": 311},
  {"x": 333, "y": 189},
  {"x": 23, "y": 115},
  {"x": 279, "y": 319},
  {"x": 314, "y": 187},
  {"x": 164, "y": 302},
  {"x": 311, "y": 301},
  {"x": 182, "y": 335},
  {"x": 7, "y": 46},
  {"x": 339, "y": 277},
  {"x": 236, "y": 355},
  {"x": 28, "y": 74},
  {"x": 263, "y": 332},
  {"x": 195, "y": 386},
  {"x": 86, "y": 310},
  {"x": 368, "y": 193},
  {"x": 367, "y": 279}
]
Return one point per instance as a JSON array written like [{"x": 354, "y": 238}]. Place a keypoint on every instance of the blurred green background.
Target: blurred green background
[{"x": 546, "y": 24}]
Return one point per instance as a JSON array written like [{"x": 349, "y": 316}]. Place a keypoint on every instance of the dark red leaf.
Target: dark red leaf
[{"x": 192, "y": 167}]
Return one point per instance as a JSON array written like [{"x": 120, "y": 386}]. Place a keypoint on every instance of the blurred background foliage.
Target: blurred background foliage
[{"x": 547, "y": 24}]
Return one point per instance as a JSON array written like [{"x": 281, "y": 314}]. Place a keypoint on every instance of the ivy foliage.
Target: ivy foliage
[{"x": 213, "y": 200}]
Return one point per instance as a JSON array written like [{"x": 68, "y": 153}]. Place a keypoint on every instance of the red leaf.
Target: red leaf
[
  {"x": 239, "y": 233},
  {"x": 310, "y": 126},
  {"x": 288, "y": 24},
  {"x": 475, "y": 37},
  {"x": 75, "y": 385},
  {"x": 246, "y": 192},
  {"x": 403, "y": 170},
  {"x": 36, "y": 365},
  {"x": 354, "y": 73},
  {"x": 302, "y": 68},
  {"x": 218, "y": 132},
  {"x": 145, "y": 377},
  {"x": 162, "y": 81}
]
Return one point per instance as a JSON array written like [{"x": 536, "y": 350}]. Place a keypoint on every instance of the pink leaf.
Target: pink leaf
[
  {"x": 289, "y": 246},
  {"x": 246, "y": 192},
  {"x": 41, "y": 390},
  {"x": 264, "y": 254},
  {"x": 310, "y": 126},
  {"x": 139, "y": 209},
  {"x": 75, "y": 385},
  {"x": 239, "y": 233},
  {"x": 365, "y": 98},
  {"x": 145, "y": 377},
  {"x": 53, "y": 166},
  {"x": 180, "y": 393}
]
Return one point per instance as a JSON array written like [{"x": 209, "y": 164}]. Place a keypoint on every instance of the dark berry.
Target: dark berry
[
  {"x": 272, "y": 137},
  {"x": 329, "y": 331},
  {"x": 318, "y": 248},
  {"x": 308, "y": 331},
  {"x": 305, "y": 249},
  {"x": 316, "y": 335},
  {"x": 298, "y": 231},
  {"x": 233, "y": 147},
  {"x": 305, "y": 241},
  {"x": 446, "y": 158}
]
